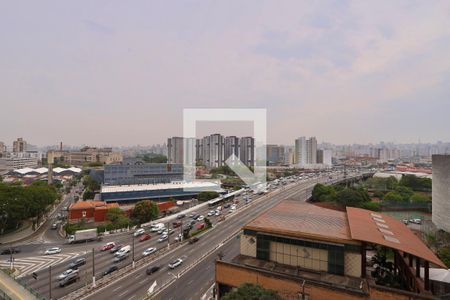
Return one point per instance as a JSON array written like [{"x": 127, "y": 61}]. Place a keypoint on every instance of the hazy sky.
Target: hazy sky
[{"x": 121, "y": 72}]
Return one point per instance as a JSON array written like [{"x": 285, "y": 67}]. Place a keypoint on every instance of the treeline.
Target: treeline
[
  {"x": 153, "y": 158},
  {"x": 344, "y": 196},
  {"x": 409, "y": 188},
  {"x": 19, "y": 203}
]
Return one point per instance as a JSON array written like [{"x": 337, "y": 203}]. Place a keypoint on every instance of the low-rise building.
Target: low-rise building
[
  {"x": 90, "y": 211},
  {"x": 303, "y": 251}
]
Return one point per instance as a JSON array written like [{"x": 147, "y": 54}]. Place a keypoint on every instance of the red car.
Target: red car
[
  {"x": 200, "y": 226},
  {"x": 144, "y": 237},
  {"x": 107, "y": 246}
]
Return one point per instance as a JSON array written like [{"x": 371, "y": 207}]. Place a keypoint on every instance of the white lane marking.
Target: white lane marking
[
  {"x": 117, "y": 288},
  {"x": 123, "y": 293}
]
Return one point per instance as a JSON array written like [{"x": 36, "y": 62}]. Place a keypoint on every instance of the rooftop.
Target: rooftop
[
  {"x": 160, "y": 186},
  {"x": 384, "y": 230},
  {"x": 303, "y": 220},
  {"x": 92, "y": 204}
]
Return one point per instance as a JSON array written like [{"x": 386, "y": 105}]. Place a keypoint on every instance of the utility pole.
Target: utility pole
[
  {"x": 168, "y": 236},
  {"x": 132, "y": 264},
  {"x": 50, "y": 281},
  {"x": 93, "y": 268}
]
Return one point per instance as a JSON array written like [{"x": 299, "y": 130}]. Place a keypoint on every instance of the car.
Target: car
[
  {"x": 77, "y": 263},
  {"x": 163, "y": 238},
  {"x": 110, "y": 270},
  {"x": 53, "y": 250},
  {"x": 193, "y": 222},
  {"x": 179, "y": 238},
  {"x": 233, "y": 207},
  {"x": 121, "y": 257},
  {"x": 176, "y": 224},
  {"x": 71, "y": 278},
  {"x": 124, "y": 250},
  {"x": 10, "y": 251},
  {"x": 211, "y": 213},
  {"x": 175, "y": 263},
  {"x": 405, "y": 221},
  {"x": 64, "y": 208},
  {"x": 168, "y": 231},
  {"x": 226, "y": 205},
  {"x": 195, "y": 217},
  {"x": 54, "y": 226},
  {"x": 149, "y": 251},
  {"x": 200, "y": 218},
  {"x": 161, "y": 230},
  {"x": 66, "y": 273},
  {"x": 181, "y": 216},
  {"x": 217, "y": 213},
  {"x": 115, "y": 248},
  {"x": 108, "y": 246},
  {"x": 192, "y": 214},
  {"x": 139, "y": 232},
  {"x": 144, "y": 237},
  {"x": 151, "y": 270},
  {"x": 194, "y": 240}
]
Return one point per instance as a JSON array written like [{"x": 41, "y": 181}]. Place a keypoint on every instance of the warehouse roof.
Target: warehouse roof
[{"x": 161, "y": 186}]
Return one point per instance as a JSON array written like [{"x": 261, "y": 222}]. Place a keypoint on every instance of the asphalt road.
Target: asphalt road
[{"x": 136, "y": 285}]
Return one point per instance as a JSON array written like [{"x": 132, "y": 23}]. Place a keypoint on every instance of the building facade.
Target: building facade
[
  {"x": 275, "y": 155},
  {"x": 138, "y": 172},
  {"x": 19, "y": 145},
  {"x": 84, "y": 156},
  {"x": 247, "y": 151},
  {"x": 441, "y": 191}
]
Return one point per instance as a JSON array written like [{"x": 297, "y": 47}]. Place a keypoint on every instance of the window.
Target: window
[{"x": 83, "y": 213}]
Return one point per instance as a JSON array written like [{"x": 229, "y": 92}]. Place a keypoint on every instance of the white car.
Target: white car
[
  {"x": 163, "y": 238},
  {"x": 161, "y": 231},
  {"x": 179, "y": 238},
  {"x": 66, "y": 273},
  {"x": 217, "y": 213},
  {"x": 149, "y": 251},
  {"x": 53, "y": 250},
  {"x": 211, "y": 213},
  {"x": 175, "y": 263},
  {"x": 139, "y": 232},
  {"x": 233, "y": 207},
  {"x": 201, "y": 218}
]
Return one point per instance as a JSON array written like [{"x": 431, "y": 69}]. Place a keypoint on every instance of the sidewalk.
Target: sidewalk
[{"x": 13, "y": 289}]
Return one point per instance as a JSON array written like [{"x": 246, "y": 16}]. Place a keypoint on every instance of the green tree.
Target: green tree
[
  {"x": 351, "y": 197},
  {"x": 248, "y": 291},
  {"x": 323, "y": 193},
  {"x": 405, "y": 192},
  {"x": 145, "y": 211},
  {"x": 205, "y": 196},
  {"x": 224, "y": 170},
  {"x": 393, "y": 196},
  {"x": 444, "y": 255},
  {"x": 88, "y": 194},
  {"x": 417, "y": 197},
  {"x": 416, "y": 183}
]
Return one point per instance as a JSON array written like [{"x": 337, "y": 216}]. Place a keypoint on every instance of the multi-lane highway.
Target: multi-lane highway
[{"x": 184, "y": 284}]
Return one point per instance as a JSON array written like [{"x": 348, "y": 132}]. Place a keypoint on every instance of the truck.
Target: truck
[{"x": 84, "y": 236}]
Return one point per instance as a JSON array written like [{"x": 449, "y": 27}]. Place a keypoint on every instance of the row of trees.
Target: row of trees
[
  {"x": 354, "y": 197},
  {"x": 409, "y": 189},
  {"x": 19, "y": 203},
  {"x": 412, "y": 182},
  {"x": 153, "y": 158}
]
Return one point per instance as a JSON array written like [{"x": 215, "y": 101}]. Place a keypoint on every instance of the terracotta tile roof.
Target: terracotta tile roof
[
  {"x": 87, "y": 204},
  {"x": 384, "y": 230},
  {"x": 303, "y": 220}
]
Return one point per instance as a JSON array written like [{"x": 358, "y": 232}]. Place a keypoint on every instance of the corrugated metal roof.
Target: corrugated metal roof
[{"x": 364, "y": 227}]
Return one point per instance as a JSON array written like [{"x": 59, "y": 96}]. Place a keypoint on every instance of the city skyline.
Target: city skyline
[{"x": 345, "y": 71}]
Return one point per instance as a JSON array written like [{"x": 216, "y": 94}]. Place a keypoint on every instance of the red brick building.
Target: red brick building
[{"x": 90, "y": 211}]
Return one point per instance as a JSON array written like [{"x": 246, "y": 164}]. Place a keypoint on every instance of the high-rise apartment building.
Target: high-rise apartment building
[
  {"x": 305, "y": 151},
  {"x": 275, "y": 155},
  {"x": 324, "y": 157},
  {"x": 216, "y": 150},
  {"x": 2, "y": 149},
  {"x": 20, "y": 145},
  {"x": 247, "y": 151},
  {"x": 175, "y": 150},
  {"x": 231, "y": 147}
]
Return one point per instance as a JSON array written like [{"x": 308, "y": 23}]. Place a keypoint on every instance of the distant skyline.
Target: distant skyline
[{"x": 118, "y": 73}]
